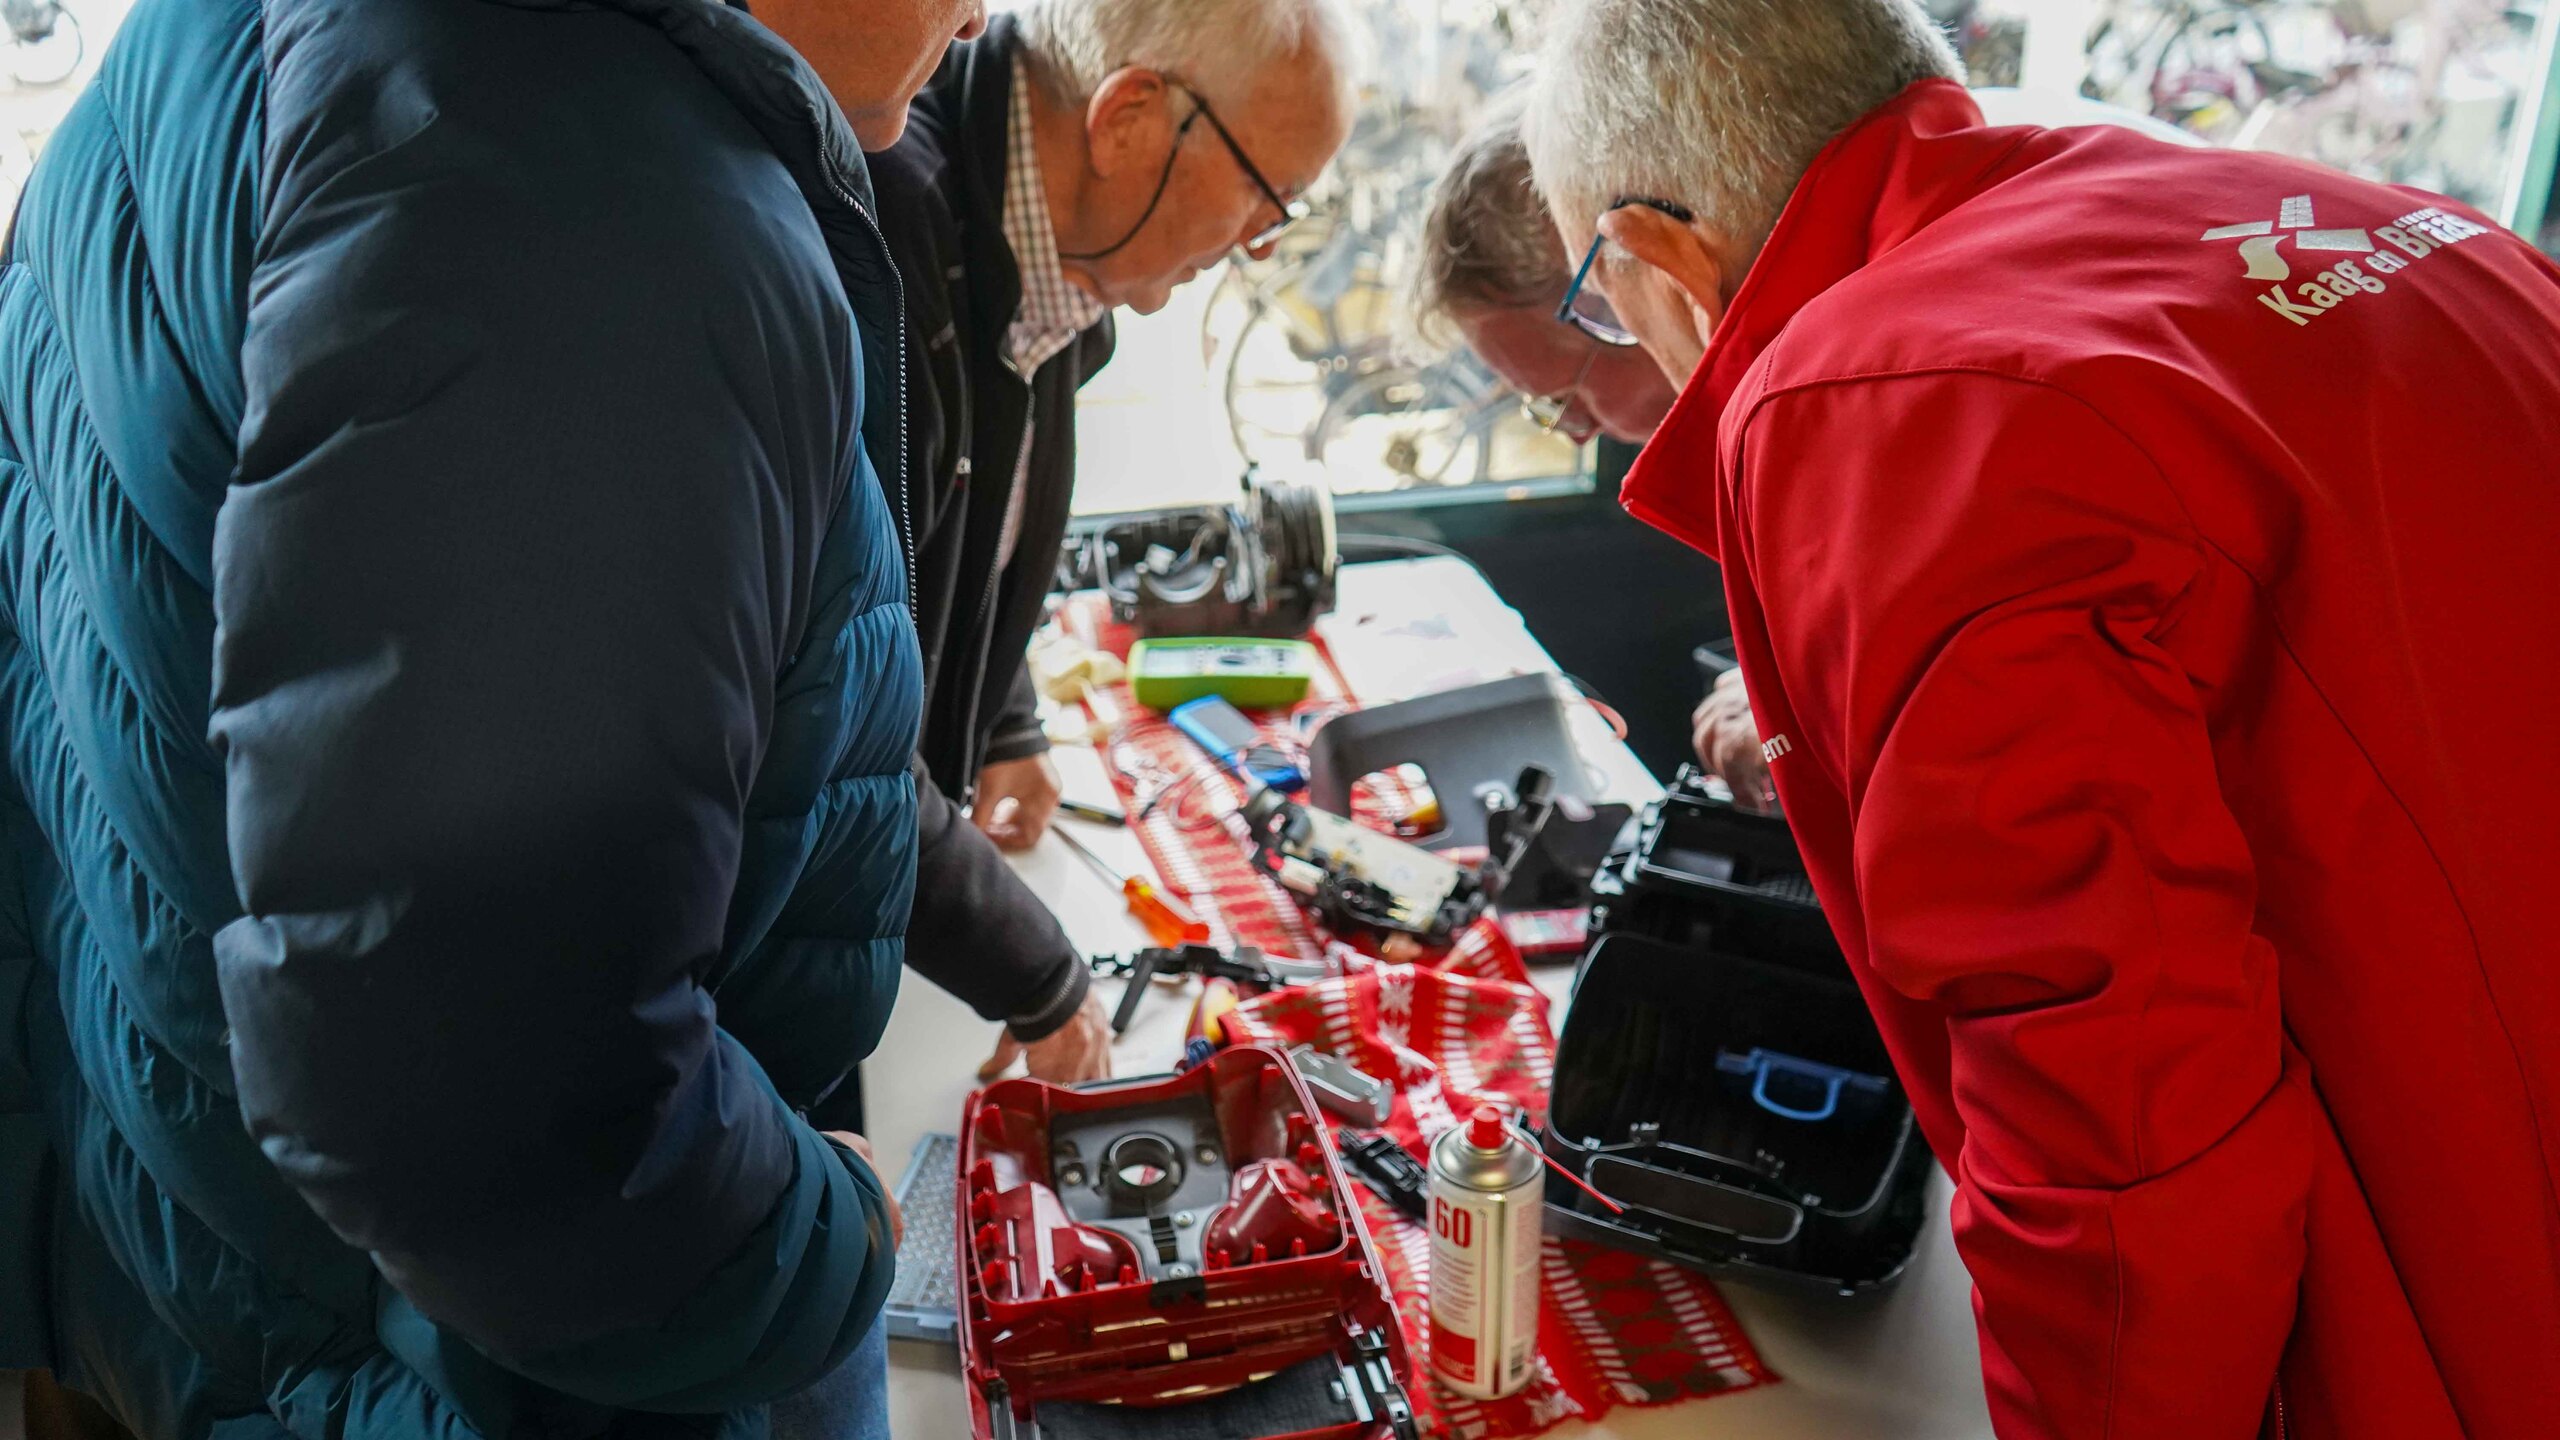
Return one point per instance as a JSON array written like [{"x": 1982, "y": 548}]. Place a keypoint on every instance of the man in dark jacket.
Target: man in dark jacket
[
  {"x": 458, "y": 688},
  {"x": 1085, "y": 157}
]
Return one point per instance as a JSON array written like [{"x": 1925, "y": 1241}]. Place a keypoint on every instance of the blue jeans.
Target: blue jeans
[{"x": 850, "y": 1404}]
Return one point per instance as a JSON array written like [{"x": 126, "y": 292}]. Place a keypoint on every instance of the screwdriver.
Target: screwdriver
[{"x": 1167, "y": 924}]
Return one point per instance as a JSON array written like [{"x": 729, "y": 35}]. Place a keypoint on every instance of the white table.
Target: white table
[{"x": 1901, "y": 1368}]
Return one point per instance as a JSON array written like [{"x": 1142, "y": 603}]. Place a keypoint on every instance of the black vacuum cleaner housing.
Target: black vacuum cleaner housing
[{"x": 1719, "y": 1073}]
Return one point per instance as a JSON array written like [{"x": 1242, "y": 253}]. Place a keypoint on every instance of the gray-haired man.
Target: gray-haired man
[
  {"x": 1083, "y": 155},
  {"x": 1493, "y": 271},
  {"x": 2140, "y": 557}
]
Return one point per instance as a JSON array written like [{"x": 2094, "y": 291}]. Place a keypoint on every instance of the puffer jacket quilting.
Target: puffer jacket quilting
[{"x": 373, "y": 560}]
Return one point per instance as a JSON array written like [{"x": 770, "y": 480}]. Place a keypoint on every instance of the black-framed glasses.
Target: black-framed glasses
[
  {"x": 1290, "y": 212},
  {"x": 1586, "y": 309}
]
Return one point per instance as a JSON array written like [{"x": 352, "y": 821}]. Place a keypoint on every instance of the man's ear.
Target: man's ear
[
  {"x": 1680, "y": 250},
  {"x": 1126, "y": 122}
]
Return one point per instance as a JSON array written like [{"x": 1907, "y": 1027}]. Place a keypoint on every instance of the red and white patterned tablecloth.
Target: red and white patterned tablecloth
[{"x": 1618, "y": 1329}]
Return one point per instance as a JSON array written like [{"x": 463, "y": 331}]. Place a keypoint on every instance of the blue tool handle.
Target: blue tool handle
[
  {"x": 1830, "y": 1096},
  {"x": 1760, "y": 1065}
]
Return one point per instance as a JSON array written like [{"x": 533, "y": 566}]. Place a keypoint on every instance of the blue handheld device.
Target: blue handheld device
[{"x": 1231, "y": 740}]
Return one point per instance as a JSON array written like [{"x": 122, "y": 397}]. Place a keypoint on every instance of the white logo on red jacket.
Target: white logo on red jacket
[
  {"x": 2411, "y": 238},
  {"x": 2262, "y": 241},
  {"x": 1772, "y": 748}
]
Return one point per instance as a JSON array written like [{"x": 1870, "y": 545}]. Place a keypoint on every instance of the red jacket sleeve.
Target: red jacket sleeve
[{"x": 1974, "y": 585}]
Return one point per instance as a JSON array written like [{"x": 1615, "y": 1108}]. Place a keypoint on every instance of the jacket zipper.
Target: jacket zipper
[
  {"x": 995, "y": 572},
  {"x": 977, "y": 623},
  {"x": 898, "y": 338}
]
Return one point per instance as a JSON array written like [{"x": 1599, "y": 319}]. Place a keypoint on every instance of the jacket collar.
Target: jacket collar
[
  {"x": 982, "y": 76},
  {"x": 970, "y": 102},
  {"x": 1882, "y": 181},
  {"x": 770, "y": 84}
]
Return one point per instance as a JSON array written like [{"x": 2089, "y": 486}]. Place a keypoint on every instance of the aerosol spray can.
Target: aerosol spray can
[{"x": 1485, "y": 1201}]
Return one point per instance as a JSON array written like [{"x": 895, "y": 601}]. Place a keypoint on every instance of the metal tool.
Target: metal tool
[
  {"x": 1164, "y": 920},
  {"x": 1487, "y": 1187},
  {"x": 1247, "y": 966}
]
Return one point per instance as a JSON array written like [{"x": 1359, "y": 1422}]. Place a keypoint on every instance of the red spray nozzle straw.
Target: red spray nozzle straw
[{"x": 1485, "y": 1129}]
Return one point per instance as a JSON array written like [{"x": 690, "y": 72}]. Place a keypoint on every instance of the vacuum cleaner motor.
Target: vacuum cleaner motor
[{"x": 1264, "y": 565}]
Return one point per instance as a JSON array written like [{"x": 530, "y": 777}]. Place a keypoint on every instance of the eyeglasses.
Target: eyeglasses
[
  {"x": 1289, "y": 212},
  {"x": 1548, "y": 412},
  {"x": 1589, "y": 311}
]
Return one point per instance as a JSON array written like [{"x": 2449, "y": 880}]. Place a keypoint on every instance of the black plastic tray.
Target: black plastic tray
[{"x": 1713, "y": 1178}]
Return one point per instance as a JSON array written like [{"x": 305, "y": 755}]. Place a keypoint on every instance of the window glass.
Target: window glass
[
  {"x": 1298, "y": 361},
  {"x": 1301, "y": 363},
  {"x": 1304, "y": 363},
  {"x": 2431, "y": 93},
  {"x": 48, "y": 50}
]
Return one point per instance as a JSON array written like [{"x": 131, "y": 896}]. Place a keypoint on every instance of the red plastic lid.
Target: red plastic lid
[{"x": 1485, "y": 1129}]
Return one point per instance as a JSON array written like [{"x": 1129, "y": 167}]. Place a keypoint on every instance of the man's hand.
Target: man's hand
[
  {"x": 862, "y": 1147},
  {"x": 1727, "y": 740},
  {"x": 1079, "y": 1051},
  {"x": 1016, "y": 800}
]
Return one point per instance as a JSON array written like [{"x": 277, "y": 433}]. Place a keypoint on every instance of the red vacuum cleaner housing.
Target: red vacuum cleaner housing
[{"x": 1169, "y": 1242}]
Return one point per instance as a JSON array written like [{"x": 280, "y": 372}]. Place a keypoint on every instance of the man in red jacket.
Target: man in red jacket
[{"x": 2142, "y": 560}]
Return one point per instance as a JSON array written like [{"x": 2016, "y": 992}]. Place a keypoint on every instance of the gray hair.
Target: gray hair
[
  {"x": 1487, "y": 242},
  {"x": 1718, "y": 105},
  {"x": 1220, "y": 46}
]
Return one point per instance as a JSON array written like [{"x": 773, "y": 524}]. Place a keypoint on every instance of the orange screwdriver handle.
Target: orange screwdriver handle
[{"x": 1166, "y": 923}]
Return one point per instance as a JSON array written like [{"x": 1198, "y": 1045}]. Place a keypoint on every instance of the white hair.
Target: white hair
[
  {"x": 1221, "y": 47},
  {"x": 1718, "y": 105}
]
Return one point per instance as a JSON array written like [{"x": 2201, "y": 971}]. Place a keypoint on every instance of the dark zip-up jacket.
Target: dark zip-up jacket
[
  {"x": 458, "y": 695},
  {"x": 977, "y": 930}
]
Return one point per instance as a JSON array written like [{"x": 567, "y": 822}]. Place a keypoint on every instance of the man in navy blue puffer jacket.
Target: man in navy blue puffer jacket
[{"x": 458, "y": 692}]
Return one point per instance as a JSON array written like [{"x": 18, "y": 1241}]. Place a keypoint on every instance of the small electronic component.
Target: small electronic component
[
  {"x": 1251, "y": 674},
  {"x": 1358, "y": 880},
  {"x": 1389, "y": 1170},
  {"x": 1537, "y": 934}
]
